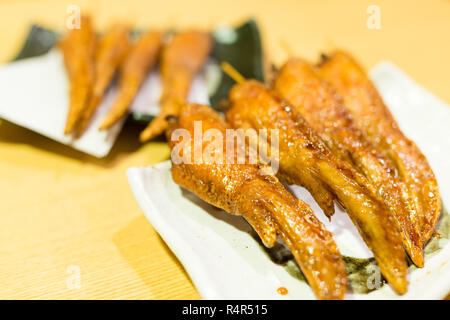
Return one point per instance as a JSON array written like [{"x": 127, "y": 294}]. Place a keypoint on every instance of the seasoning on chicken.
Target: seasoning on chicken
[
  {"x": 141, "y": 58},
  {"x": 300, "y": 150},
  {"x": 78, "y": 47},
  {"x": 112, "y": 48},
  {"x": 301, "y": 86},
  {"x": 181, "y": 59},
  {"x": 373, "y": 118},
  {"x": 256, "y": 194}
]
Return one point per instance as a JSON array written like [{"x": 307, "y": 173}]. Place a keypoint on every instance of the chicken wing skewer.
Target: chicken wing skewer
[
  {"x": 78, "y": 47},
  {"x": 248, "y": 190},
  {"x": 112, "y": 48},
  {"x": 141, "y": 58},
  {"x": 181, "y": 59},
  {"x": 300, "y": 149},
  {"x": 301, "y": 86},
  {"x": 319, "y": 190},
  {"x": 375, "y": 120}
]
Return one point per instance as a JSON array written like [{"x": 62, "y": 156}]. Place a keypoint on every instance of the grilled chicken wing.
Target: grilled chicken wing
[
  {"x": 112, "y": 48},
  {"x": 248, "y": 190},
  {"x": 299, "y": 83},
  {"x": 300, "y": 149},
  {"x": 78, "y": 47},
  {"x": 375, "y": 120},
  {"x": 181, "y": 59},
  {"x": 141, "y": 58}
]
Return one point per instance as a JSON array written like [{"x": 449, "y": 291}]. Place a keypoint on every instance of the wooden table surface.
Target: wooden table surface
[{"x": 69, "y": 219}]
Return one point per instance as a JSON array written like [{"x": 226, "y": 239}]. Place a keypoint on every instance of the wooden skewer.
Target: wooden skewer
[
  {"x": 232, "y": 72},
  {"x": 287, "y": 48}
]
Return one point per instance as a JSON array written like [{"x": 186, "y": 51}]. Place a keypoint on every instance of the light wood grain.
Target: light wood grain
[{"x": 60, "y": 208}]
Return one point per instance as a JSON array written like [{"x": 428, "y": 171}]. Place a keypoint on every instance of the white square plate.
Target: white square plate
[
  {"x": 34, "y": 94},
  {"x": 225, "y": 262}
]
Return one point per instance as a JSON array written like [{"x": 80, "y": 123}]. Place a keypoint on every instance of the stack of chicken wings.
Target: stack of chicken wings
[
  {"x": 93, "y": 61},
  {"x": 337, "y": 139}
]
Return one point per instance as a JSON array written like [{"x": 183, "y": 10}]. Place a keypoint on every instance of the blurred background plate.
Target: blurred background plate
[{"x": 240, "y": 46}]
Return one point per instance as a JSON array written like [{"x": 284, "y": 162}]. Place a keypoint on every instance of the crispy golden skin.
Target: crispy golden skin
[
  {"x": 244, "y": 189},
  {"x": 141, "y": 58},
  {"x": 375, "y": 120},
  {"x": 301, "y": 86},
  {"x": 181, "y": 59},
  {"x": 78, "y": 47},
  {"x": 303, "y": 176},
  {"x": 299, "y": 149},
  {"x": 111, "y": 51}
]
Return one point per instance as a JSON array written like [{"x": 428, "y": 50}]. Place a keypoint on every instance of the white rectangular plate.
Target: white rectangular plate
[
  {"x": 34, "y": 94},
  {"x": 225, "y": 262}
]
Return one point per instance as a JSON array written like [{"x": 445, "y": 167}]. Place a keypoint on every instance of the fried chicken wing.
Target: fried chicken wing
[
  {"x": 141, "y": 58},
  {"x": 300, "y": 85},
  {"x": 375, "y": 120},
  {"x": 112, "y": 48},
  {"x": 301, "y": 149},
  {"x": 181, "y": 59},
  {"x": 251, "y": 191},
  {"x": 78, "y": 48},
  {"x": 319, "y": 190}
]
